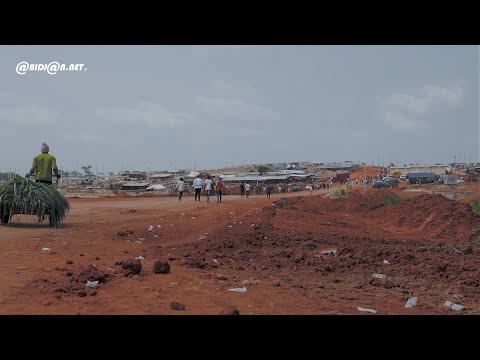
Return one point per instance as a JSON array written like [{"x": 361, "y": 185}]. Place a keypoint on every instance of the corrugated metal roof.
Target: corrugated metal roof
[{"x": 255, "y": 178}]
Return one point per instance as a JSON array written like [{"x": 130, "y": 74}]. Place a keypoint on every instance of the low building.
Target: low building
[
  {"x": 448, "y": 179},
  {"x": 404, "y": 170}
]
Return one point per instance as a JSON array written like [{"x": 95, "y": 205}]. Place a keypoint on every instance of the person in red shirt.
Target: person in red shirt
[{"x": 219, "y": 190}]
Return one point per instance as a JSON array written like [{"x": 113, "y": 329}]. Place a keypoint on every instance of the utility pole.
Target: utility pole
[{"x": 365, "y": 178}]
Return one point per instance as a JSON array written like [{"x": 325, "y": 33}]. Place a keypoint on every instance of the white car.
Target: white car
[
  {"x": 309, "y": 187},
  {"x": 403, "y": 177}
]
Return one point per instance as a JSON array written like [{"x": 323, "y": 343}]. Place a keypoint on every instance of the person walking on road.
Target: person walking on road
[
  {"x": 208, "y": 188},
  {"x": 43, "y": 165},
  {"x": 219, "y": 190},
  {"x": 198, "y": 185},
  {"x": 247, "y": 190},
  {"x": 242, "y": 189},
  {"x": 180, "y": 187},
  {"x": 269, "y": 190}
]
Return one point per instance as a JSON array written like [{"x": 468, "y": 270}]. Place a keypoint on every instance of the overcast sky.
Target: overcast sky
[{"x": 223, "y": 105}]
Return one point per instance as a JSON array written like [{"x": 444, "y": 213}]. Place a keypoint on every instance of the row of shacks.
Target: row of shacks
[{"x": 165, "y": 181}]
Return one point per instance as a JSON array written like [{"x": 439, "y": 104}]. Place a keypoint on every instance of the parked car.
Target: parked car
[
  {"x": 381, "y": 184},
  {"x": 403, "y": 177},
  {"x": 296, "y": 188},
  {"x": 392, "y": 181}
]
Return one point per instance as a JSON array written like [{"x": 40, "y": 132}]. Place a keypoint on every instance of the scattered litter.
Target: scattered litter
[
  {"x": 411, "y": 302},
  {"x": 231, "y": 213},
  {"x": 141, "y": 239},
  {"x": 252, "y": 225},
  {"x": 234, "y": 222},
  {"x": 150, "y": 228},
  {"x": 379, "y": 276},
  {"x": 193, "y": 217},
  {"x": 366, "y": 310},
  {"x": 386, "y": 262},
  {"x": 182, "y": 214},
  {"x": 239, "y": 222},
  {"x": 45, "y": 249},
  {"x": 202, "y": 237},
  {"x": 156, "y": 236},
  {"x": 239, "y": 290},
  {"x": 158, "y": 226},
  {"x": 230, "y": 226},
  {"x": 251, "y": 259},
  {"x": 216, "y": 262},
  {"x": 454, "y": 306},
  {"x": 329, "y": 252},
  {"x": 140, "y": 258},
  {"x": 92, "y": 284},
  {"x": 206, "y": 233}
]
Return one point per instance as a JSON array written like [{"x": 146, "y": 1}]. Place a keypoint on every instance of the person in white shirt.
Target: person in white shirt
[
  {"x": 247, "y": 190},
  {"x": 208, "y": 188},
  {"x": 198, "y": 185},
  {"x": 180, "y": 187}
]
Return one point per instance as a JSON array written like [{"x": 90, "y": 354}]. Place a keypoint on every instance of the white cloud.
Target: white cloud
[
  {"x": 27, "y": 115},
  {"x": 223, "y": 88},
  {"x": 18, "y": 112},
  {"x": 147, "y": 115},
  {"x": 208, "y": 48},
  {"x": 249, "y": 132},
  {"x": 405, "y": 111},
  {"x": 234, "y": 109}
]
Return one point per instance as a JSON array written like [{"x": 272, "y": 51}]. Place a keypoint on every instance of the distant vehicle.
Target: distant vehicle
[
  {"x": 422, "y": 178},
  {"x": 381, "y": 184},
  {"x": 308, "y": 187},
  {"x": 403, "y": 177},
  {"x": 392, "y": 181},
  {"x": 296, "y": 188}
]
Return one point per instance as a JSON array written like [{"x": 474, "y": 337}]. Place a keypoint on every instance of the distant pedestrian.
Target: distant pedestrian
[
  {"x": 242, "y": 189},
  {"x": 208, "y": 188},
  {"x": 269, "y": 190},
  {"x": 198, "y": 185},
  {"x": 247, "y": 190},
  {"x": 180, "y": 187},
  {"x": 219, "y": 190}
]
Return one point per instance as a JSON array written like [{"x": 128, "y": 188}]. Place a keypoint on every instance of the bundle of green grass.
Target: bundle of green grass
[{"x": 22, "y": 196}]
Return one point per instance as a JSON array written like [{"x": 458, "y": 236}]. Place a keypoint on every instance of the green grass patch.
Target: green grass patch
[
  {"x": 476, "y": 207},
  {"x": 392, "y": 200},
  {"x": 337, "y": 193}
]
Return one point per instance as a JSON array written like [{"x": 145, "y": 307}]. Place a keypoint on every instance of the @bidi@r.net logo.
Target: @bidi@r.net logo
[{"x": 52, "y": 68}]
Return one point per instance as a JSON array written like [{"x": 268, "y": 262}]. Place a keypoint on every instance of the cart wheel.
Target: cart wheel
[{"x": 5, "y": 218}]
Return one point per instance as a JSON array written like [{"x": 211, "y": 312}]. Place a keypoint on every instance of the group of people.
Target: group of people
[
  {"x": 209, "y": 186},
  {"x": 245, "y": 189}
]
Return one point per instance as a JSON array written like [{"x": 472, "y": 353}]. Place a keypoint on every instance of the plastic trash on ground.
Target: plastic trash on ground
[
  {"x": 239, "y": 290},
  {"x": 366, "y": 310},
  {"x": 386, "y": 262},
  {"x": 92, "y": 284},
  {"x": 140, "y": 258},
  {"x": 329, "y": 252},
  {"x": 454, "y": 306},
  {"x": 379, "y": 276},
  {"x": 411, "y": 302},
  {"x": 45, "y": 249}
]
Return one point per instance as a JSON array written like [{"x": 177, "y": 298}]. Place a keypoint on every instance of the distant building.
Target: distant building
[{"x": 404, "y": 170}]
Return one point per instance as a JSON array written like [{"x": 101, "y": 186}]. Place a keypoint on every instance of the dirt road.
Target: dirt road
[{"x": 301, "y": 255}]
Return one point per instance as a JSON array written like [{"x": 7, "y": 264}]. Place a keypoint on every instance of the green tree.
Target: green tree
[
  {"x": 262, "y": 169},
  {"x": 87, "y": 169}
]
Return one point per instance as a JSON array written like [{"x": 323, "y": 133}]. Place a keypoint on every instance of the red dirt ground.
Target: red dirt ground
[{"x": 274, "y": 247}]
